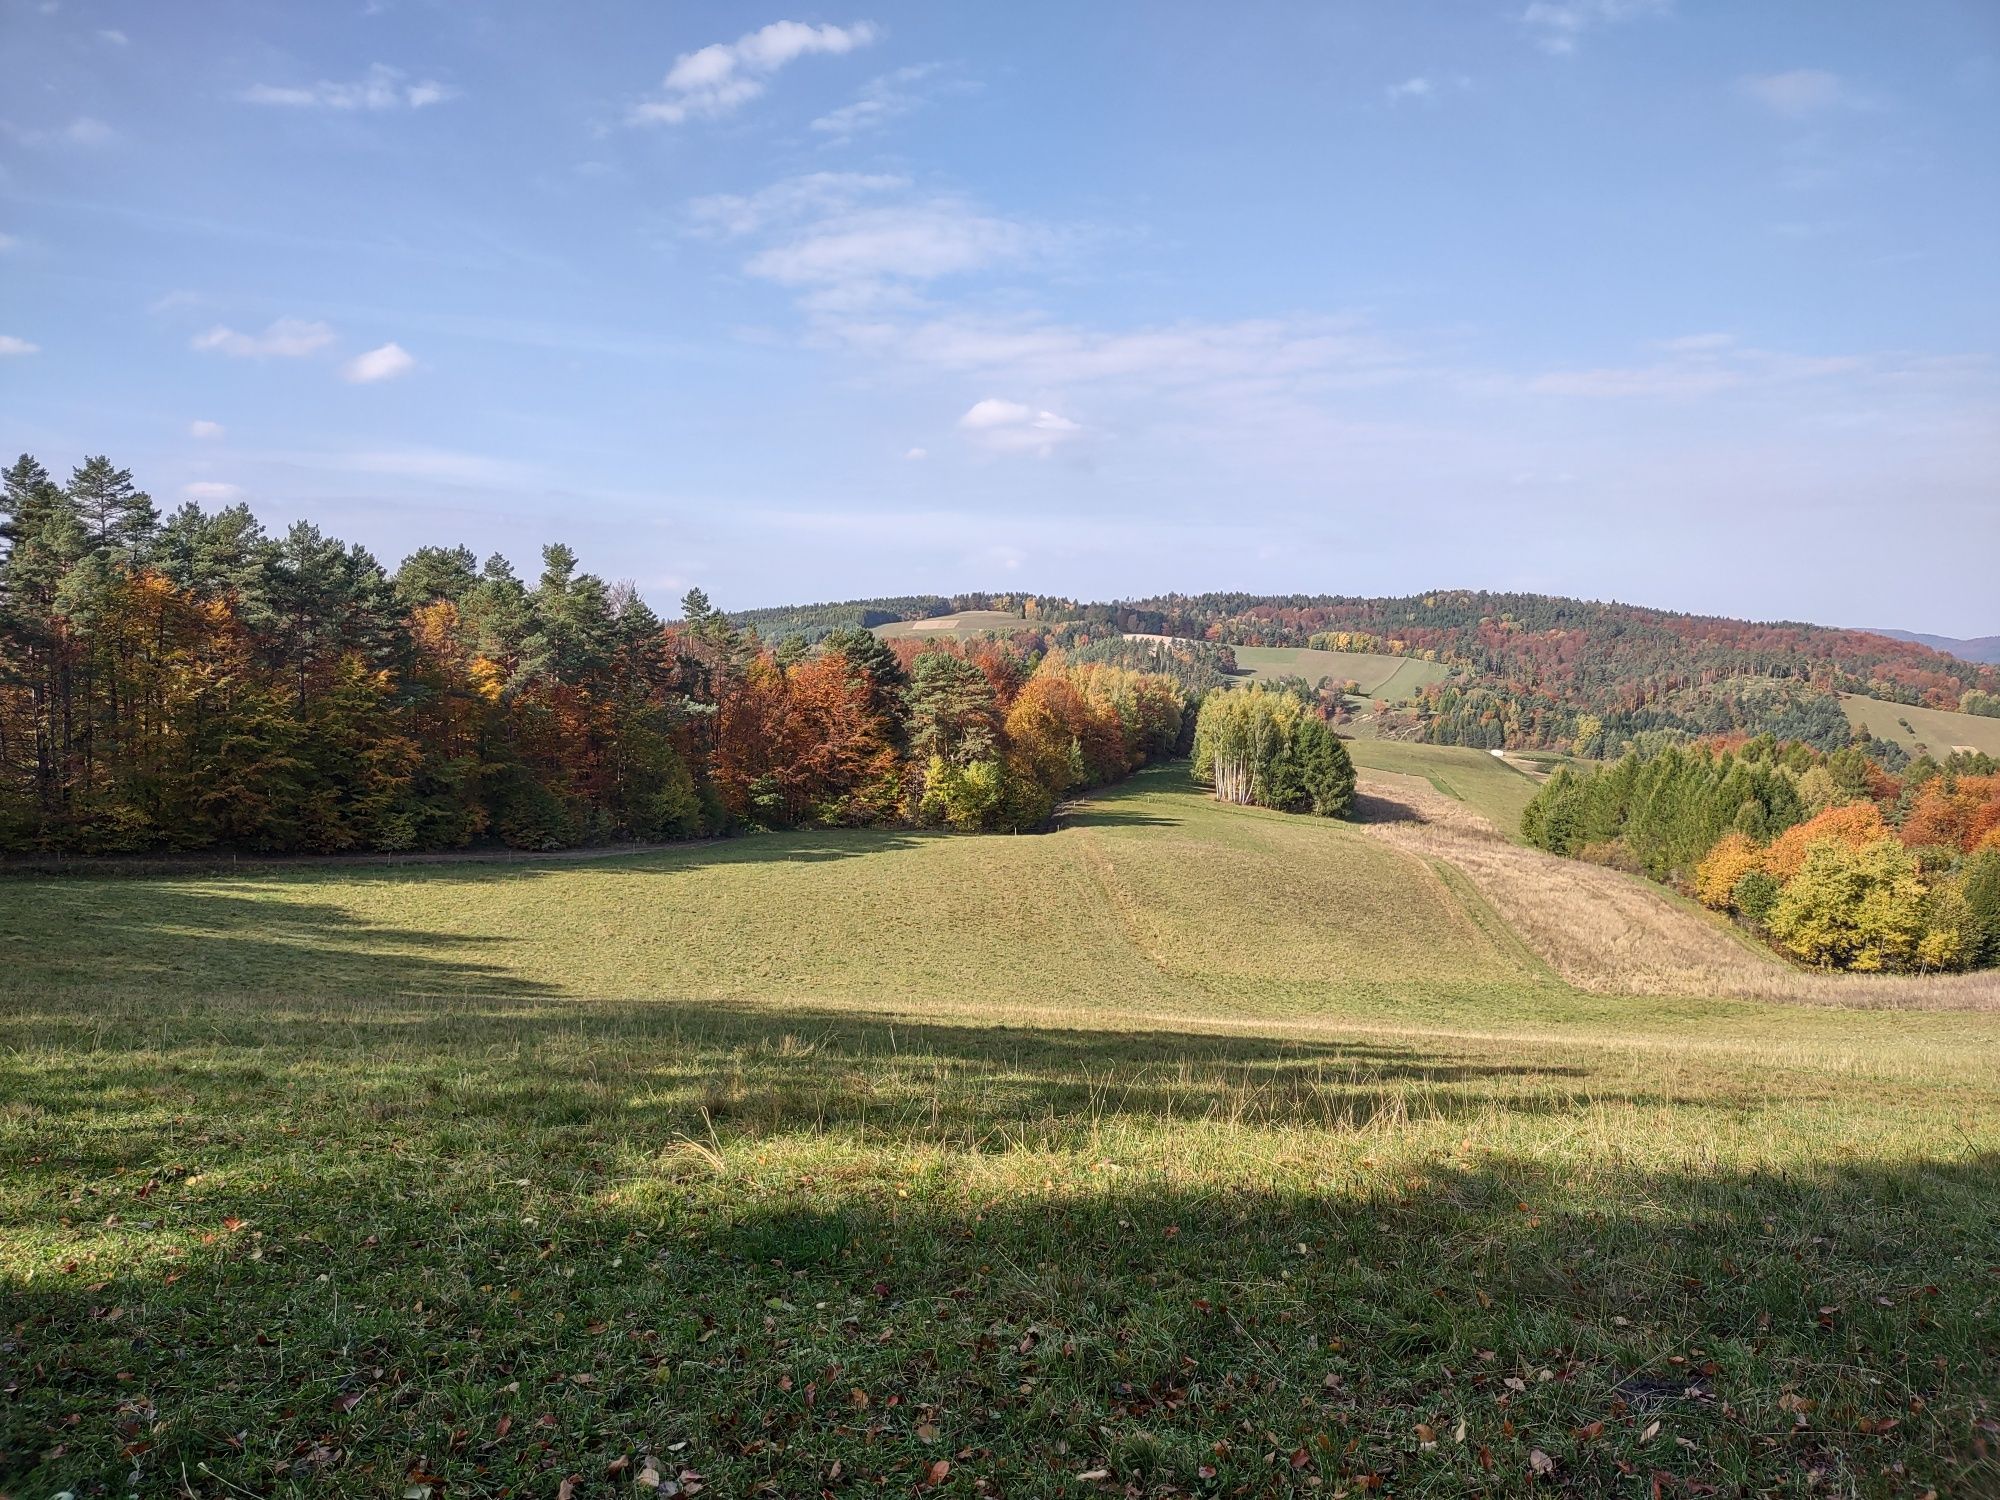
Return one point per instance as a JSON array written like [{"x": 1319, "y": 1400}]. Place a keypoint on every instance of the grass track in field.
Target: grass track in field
[
  {"x": 1260, "y": 1151},
  {"x": 1935, "y": 730},
  {"x": 1492, "y": 788}
]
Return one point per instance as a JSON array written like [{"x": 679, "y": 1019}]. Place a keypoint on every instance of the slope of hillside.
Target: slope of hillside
[
  {"x": 1921, "y": 730},
  {"x": 1613, "y": 933},
  {"x": 1985, "y": 648}
]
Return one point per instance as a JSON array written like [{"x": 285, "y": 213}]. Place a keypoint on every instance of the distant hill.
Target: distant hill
[
  {"x": 1985, "y": 648},
  {"x": 1493, "y": 670}
]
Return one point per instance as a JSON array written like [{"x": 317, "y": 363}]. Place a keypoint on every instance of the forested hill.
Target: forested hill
[
  {"x": 1983, "y": 648},
  {"x": 1533, "y": 669}
]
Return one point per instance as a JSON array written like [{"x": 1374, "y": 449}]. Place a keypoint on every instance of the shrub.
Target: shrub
[
  {"x": 1853, "y": 908},
  {"x": 1755, "y": 894},
  {"x": 1717, "y": 876}
]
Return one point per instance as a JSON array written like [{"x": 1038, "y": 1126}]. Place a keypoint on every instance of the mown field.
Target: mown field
[
  {"x": 961, "y": 626},
  {"x": 1931, "y": 729},
  {"x": 1189, "y": 1150},
  {"x": 1492, "y": 788},
  {"x": 1390, "y": 677}
]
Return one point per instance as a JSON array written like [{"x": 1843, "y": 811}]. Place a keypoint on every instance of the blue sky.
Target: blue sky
[{"x": 1690, "y": 304}]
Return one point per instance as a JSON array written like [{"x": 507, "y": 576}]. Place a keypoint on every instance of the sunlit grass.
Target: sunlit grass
[{"x": 1036, "y": 1158}]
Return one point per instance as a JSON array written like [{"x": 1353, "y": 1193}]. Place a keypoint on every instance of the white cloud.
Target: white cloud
[
  {"x": 8, "y": 242},
  {"x": 917, "y": 455},
  {"x": 1012, "y": 427},
  {"x": 115, "y": 37},
  {"x": 881, "y": 100},
  {"x": 207, "y": 431},
  {"x": 383, "y": 88},
  {"x": 1558, "y": 25},
  {"x": 287, "y": 338},
  {"x": 209, "y": 490},
  {"x": 850, "y": 240},
  {"x": 11, "y": 345},
  {"x": 385, "y": 363},
  {"x": 721, "y": 78},
  {"x": 1798, "y": 93},
  {"x": 1426, "y": 88}
]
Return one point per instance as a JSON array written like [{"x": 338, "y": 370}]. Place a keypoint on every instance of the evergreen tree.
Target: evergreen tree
[{"x": 116, "y": 513}]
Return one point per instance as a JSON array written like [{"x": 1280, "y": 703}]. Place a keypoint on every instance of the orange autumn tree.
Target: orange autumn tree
[
  {"x": 1955, "y": 811},
  {"x": 1857, "y": 825}
]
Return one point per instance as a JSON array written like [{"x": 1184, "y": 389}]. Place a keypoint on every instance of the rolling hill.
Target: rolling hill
[{"x": 1985, "y": 648}]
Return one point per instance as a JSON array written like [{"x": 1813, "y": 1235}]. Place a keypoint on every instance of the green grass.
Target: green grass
[
  {"x": 967, "y": 623},
  {"x": 1931, "y": 729},
  {"x": 1391, "y": 677},
  {"x": 1207, "y": 1149},
  {"x": 1483, "y": 782}
]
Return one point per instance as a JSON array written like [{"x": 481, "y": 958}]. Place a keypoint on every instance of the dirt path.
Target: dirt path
[{"x": 1613, "y": 933}]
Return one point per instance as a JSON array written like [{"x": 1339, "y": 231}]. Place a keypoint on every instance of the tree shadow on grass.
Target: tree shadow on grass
[
  {"x": 1813, "y": 1331},
  {"x": 137, "y": 939}
]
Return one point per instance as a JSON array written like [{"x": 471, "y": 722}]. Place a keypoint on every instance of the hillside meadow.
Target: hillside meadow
[
  {"x": 1389, "y": 677},
  {"x": 1929, "y": 730},
  {"x": 1187, "y": 1150}
]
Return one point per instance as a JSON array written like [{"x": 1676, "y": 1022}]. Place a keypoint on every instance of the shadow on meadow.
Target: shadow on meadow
[
  {"x": 1818, "y": 1331},
  {"x": 664, "y": 1071}
]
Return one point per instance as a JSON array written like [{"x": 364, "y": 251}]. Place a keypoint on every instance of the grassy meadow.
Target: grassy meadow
[
  {"x": 1389, "y": 677},
  {"x": 1494, "y": 789},
  {"x": 1188, "y": 1150},
  {"x": 1930, "y": 729},
  {"x": 961, "y": 626}
]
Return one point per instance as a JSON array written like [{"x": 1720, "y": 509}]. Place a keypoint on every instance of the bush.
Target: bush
[
  {"x": 1853, "y": 908},
  {"x": 1755, "y": 894},
  {"x": 1717, "y": 876}
]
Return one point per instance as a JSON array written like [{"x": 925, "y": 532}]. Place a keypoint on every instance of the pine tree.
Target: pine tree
[{"x": 117, "y": 515}]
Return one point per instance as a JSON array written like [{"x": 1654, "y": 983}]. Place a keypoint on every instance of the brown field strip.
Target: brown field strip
[{"x": 1613, "y": 933}]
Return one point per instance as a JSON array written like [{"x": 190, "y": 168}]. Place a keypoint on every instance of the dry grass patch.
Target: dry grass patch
[{"x": 1614, "y": 933}]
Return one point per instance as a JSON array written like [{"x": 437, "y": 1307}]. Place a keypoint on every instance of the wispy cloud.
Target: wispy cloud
[
  {"x": 1799, "y": 93},
  {"x": 721, "y": 78},
  {"x": 1425, "y": 88},
  {"x": 382, "y": 88},
  {"x": 211, "y": 490},
  {"x": 84, "y": 130},
  {"x": 114, "y": 36},
  {"x": 11, "y": 345},
  {"x": 385, "y": 363},
  {"x": 207, "y": 431},
  {"x": 287, "y": 338},
  {"x": 851, "y": 239},
  {"x": 887, "y": 98},
  {"x": 442, "y": 465},
  {"x": 1693, "y": 366},
  {"x": 1559, "y": 26}
]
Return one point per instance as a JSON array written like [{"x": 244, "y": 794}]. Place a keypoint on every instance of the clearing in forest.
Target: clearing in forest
[
  {"x": 1392, "y": 677},
  {"x": 1933, "y": 729}
]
